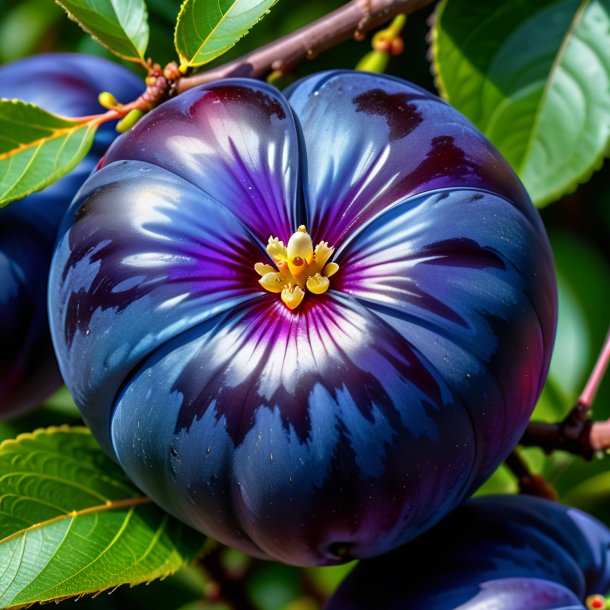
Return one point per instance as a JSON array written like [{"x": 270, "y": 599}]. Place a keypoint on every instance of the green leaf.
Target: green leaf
[
  {"x": 72, "y": 523},
  {"x": 119, "y": 25},
  {"x": 37, "y": 148},
  {"x": 535, "y": 78},
  {"x": 205, "y": 30}
]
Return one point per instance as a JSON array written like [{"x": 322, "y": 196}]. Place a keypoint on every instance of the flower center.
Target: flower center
[{"x": 298, "y": 267}]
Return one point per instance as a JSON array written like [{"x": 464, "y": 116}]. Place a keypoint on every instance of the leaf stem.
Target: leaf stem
[{"x": 356, "y": 18}]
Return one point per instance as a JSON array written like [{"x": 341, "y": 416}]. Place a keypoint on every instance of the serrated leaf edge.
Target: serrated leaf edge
[
  {"x": 138, "y": 58},
  {"x": 434, "y": 64},
  {"x": 49, "y": 430},
  {"x": 139, "y": 500},
  {"x": 439, "y": 83},
  {"x": 160, "y": 574},
  {"x": 570, "y": 188},
  {"x": 186, "y": 63}
]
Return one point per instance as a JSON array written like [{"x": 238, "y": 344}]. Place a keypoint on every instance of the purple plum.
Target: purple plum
[
  {"x": 308, "y": 324},
  {"x": 492, "y": 553},
  {"x": 68, "y": 85}
]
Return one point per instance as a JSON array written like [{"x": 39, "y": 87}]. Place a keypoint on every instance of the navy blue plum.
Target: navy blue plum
[
  {"x": 67, "y": 85},
  {"x": 309, "y": 404},
  {"x": 492, "y": 553}
]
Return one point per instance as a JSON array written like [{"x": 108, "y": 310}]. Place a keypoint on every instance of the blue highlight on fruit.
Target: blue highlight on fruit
[{"x": 352, "y": 423}]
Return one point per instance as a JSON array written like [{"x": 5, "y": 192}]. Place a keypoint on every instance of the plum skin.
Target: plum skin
[
  {"x": 346, "y": 427},
  {"x": 65, "y": 84},
  {"x": 501, "y": 552}
]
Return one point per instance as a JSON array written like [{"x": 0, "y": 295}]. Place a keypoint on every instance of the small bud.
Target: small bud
[
  {"x": 171, "y": 71},
  {"x": 275, "y": 77},
  {"x": 107, "y": 100},
  {"x": 596, "y": 602},
  {"x": 382, "y": 42},
  {"x": 397, "y": 46},
  {"x": 373, "y": 61},
  {"x": 129, "y": 120}
]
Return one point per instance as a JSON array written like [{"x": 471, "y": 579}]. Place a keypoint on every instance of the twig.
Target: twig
[
  {"x": 356, "y": 17},
  {"x": 588, "y": 394},
  {"x": 529, "y": 483},
  {"x": 573, "y": 434}
]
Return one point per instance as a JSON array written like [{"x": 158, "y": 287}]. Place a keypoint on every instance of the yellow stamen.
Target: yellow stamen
[
  {"x": 323, "y": 253},
  {"x": 276, "y": 249},
  {"x": 262, "y": 268},
  {"x": 330, "y": 269},
  {"x": 318, "y": 284},
  {"x": 272, "y": 281},
  {"x": 292, "y": 296},
  {"x": 299, "y": 267}
]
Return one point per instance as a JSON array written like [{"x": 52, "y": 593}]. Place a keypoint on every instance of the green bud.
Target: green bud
[
  {"x": 374, "y": 61},
  {"x": 129, "y": 120},
  {"x": 107, "y": 100}
]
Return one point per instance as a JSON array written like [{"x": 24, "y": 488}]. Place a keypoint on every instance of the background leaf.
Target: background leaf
[
  {"x": 119, "y": 25},
  {"x": 535, "y": 78},
  {"x": 37, "y": 148},
  {"x": 27, "y": 26},
  {"x": 205, "y": 30},
  {"x": 73, "y": 523}
]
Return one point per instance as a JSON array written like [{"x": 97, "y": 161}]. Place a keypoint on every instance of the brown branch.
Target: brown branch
[
  {"x": 573, "y": 434},
  {"x": 356, "y": 18},
  {"x": 529, "y": 483}
]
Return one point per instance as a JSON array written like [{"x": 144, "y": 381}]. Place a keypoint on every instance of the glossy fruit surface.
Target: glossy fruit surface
[
  {"x": 343, "y": 427},
  {"x": 492, "y": 553},
  {"x": 68, "y": 85}
]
